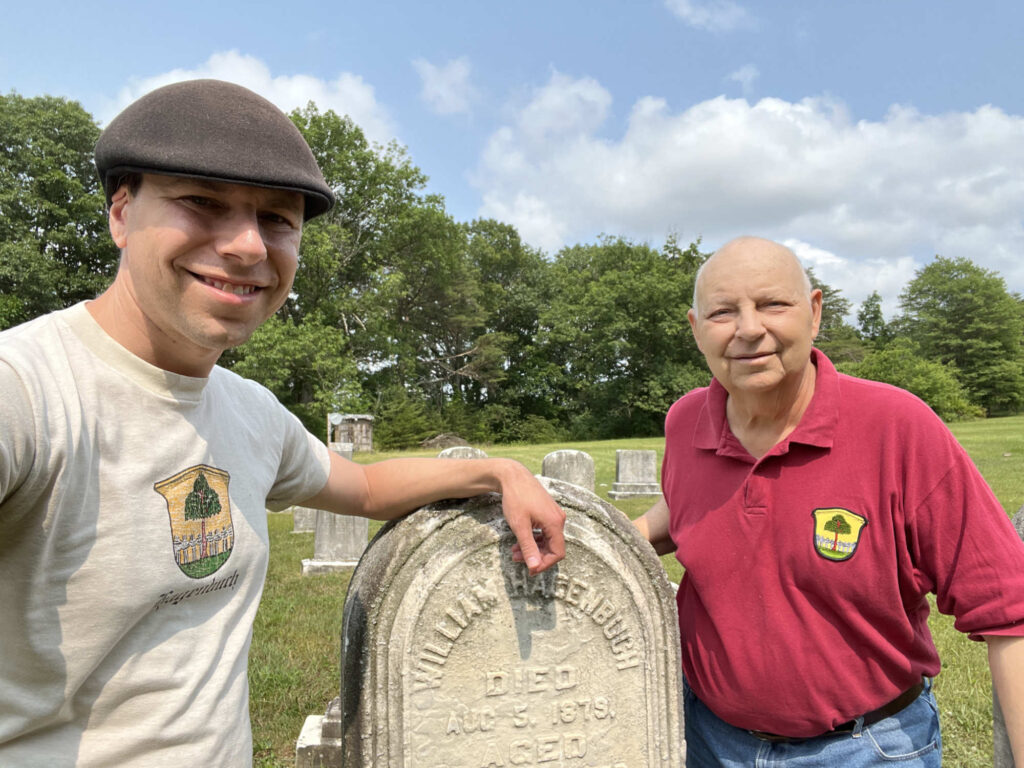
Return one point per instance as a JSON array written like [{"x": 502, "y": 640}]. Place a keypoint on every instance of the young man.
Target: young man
[
  {"x": 814, "y": 512},
  {"x": 135, "y": 473}
]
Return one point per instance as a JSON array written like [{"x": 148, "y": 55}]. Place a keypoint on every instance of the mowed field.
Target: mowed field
[{"x": 294, "y": 661}]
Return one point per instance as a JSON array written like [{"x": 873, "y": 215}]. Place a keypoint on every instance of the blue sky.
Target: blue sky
[{"x": 867, "y": 135}]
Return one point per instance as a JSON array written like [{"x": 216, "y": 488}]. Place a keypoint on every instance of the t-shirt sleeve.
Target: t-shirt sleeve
[
  {"x": 17, "y": 432},
  {"x": 304, "y": 467},
  {"x": 965, "y": 541}
]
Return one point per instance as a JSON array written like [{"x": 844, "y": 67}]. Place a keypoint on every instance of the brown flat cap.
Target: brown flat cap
[{"x": 210, "y": 129}]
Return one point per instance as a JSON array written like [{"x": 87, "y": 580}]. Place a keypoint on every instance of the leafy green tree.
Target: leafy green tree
[
  {"x": 871, "y": 322},
  {"x": 836, "y": 338},
  {"x": 55, "y": 249},
  {"x": 902, "y": 365},
  {"x": 616, "y": 335},
  {"x": 962, "y": 314}
]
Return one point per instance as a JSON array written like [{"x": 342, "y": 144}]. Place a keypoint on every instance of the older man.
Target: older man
[
  {"x": 134, "y": 472},
  {"x": 814, "y": 512}
]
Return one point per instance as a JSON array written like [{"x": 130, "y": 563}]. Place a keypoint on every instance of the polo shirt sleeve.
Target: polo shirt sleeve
[{"x": 965, "y": 545}]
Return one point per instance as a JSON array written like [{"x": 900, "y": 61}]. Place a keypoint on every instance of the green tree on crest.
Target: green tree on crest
[
  {"x": 201, "y": 503},
  {"x": 837, "y": 525}
]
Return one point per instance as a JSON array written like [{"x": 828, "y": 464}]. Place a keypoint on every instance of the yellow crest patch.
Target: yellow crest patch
[
  {"x": 201, "y": 530},
  {"x": 837, "y": 532}
]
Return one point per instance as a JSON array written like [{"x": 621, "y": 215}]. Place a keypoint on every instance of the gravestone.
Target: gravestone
[
  {"x": 453, "y": 656},
  {"x": 304, "y": 519},
  {"x": 355, "y": 428},
  {"x": 338, "y": 540},
  {"x": 462, "y": 452},
  {"x": 636, "y": 474},
  {"x": 574, "y": 467},
  {"x": 1002, "y": 757}
]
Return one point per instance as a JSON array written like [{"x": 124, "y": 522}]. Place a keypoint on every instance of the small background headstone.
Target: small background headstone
[
  {"x": 354, "y": 428},
  {"x": 454, "y": 656},
  {"x": 574, "y": 467},
  {"x": 304, "y": 519},
  {"x": 338, "y": 540},
  {"x": 636, "y": 474},
  {"x": 462, "y": 452}
]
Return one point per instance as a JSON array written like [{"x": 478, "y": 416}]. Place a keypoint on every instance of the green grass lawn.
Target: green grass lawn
[{"x": 294, "y": 661}]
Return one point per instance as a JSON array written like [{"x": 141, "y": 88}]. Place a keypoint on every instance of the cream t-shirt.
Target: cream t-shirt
[{"x": 133, "y": 549}]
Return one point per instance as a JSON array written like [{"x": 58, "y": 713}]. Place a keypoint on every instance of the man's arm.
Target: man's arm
[
  {"x": 654, "y": 526},
  {"x": 1006, "y": 660},
  {"x": 392, "y": 488}
]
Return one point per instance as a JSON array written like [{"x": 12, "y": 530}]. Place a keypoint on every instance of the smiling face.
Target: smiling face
[
  {"x": 756, "y": 318},
  {"x": 202, "y": 265}
]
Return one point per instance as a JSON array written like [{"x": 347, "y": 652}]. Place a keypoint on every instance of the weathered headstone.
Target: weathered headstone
[
  {"x": 355, "y": 428},
  {"x": 1002, "y": 757},
  {"x": 453, "y": 656},
  {"x": 304, "y": 519},
  {"x": 338, "y": 540},
  {"x": 636, "y": 474},
  {"x": 462, "y": 452},
  {"x": 574, "y": 467}
]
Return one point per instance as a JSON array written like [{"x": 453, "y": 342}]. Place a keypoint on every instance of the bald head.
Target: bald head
[{"x": 750, "y": 253}]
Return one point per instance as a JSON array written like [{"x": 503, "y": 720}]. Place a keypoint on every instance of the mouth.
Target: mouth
[
  {"x": 236, "y": 289},
  {"x": 752, "y": 357}
]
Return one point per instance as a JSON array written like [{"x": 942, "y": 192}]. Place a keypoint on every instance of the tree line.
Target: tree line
[{"x": 434, "y": 325}]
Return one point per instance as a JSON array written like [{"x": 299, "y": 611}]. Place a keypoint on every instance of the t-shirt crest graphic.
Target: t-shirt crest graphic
[
  {"x": 198, "y": 505},
  {"x": 837, "y": 532}
]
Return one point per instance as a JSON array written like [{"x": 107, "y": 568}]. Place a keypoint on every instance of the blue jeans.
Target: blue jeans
[{"x": 908, "y": 739}]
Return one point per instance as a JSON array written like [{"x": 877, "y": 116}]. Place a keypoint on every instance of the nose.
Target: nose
[
  {"x": 241, "y": 238},
  {"x": 748, "y": 323}
]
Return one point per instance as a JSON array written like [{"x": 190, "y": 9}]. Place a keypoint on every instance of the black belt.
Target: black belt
[{"x": 898, "y": 704}]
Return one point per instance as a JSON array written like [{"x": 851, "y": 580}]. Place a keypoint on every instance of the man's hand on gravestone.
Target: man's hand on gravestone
[{"x": 536, "y": 520}]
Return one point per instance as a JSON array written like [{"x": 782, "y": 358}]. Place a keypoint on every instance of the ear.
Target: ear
[
  {"x": 815, "y": 312},
  {"x": 692, "y": 317},
  {"x": 117, "y": 218}
]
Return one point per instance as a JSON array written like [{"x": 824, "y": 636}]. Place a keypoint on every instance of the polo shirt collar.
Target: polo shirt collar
[{"x": 817, "y": 427}]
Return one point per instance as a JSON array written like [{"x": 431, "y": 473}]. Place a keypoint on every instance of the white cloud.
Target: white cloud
[
  {"x": 745, "y": 76},
  {"x": 880, "y": 197},
  {"x": 711, "y": 15},
  {"x": 446, "y": 88},
  {"x": 347, "y": 94}
]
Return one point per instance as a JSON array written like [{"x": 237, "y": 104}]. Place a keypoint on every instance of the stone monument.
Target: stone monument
[
  {"x": 1002, "y": 757},
  {"x": 338, "y": 540},
  {"x": 453, "y": 656},
  {"x": 462, "y": 452},
  {"x": 574, "y": 467},
  {"x": 636, "y": 474},
  {"x": 355, "y": 428},
  {"x": 304, "y": 519}
]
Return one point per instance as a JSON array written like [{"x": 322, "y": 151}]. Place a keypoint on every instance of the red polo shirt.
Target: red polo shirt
[{"x": 804, "y": 602}]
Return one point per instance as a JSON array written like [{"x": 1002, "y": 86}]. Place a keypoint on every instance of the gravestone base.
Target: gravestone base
[
  {"x": 319, "y": 744},
  {"x": 626, "y": 490},
  {"x": 312, "y": 567}
]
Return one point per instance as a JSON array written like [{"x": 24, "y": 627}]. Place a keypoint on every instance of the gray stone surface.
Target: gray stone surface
[
  {"x": 636, "y": 474},
  {"x": 452, "y": 655},
  {"x": 339, "y": 540},
  {"x": 303, "y": 519},
  {"x": 1002, "y": 757},
  {"x": 462, "y": 452},
  {"x": 574, "y": 467}
]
